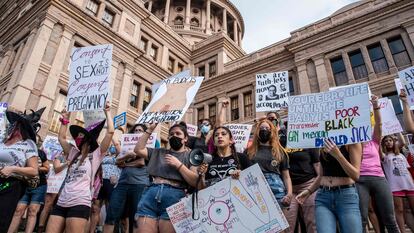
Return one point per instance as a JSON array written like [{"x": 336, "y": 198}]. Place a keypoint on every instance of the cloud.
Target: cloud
[{"x": 269, "y": 21}]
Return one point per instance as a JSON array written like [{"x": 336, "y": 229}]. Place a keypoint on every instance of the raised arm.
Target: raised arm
[
  {"x": 378, "y": 121},
  {"x": 408, "y": 118},
  {"x": 62, "y": 132},
  {"x": 140, "y": 148},
  {"x": 222, "y": 114},
  {"x": 401, "y": 140},
  {"x": 106, "y": 142}
]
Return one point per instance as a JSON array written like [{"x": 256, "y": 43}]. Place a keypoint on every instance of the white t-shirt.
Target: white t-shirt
[
  {"x": 396, "y": 171},
  {"x": 18, "y": 153}
]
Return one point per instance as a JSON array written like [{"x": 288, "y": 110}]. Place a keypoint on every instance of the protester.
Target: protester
[
  {"x": 273, "y": 161},
  {"x": 407, "y": 115},
  {"x": 32, "y": 199},
  {"x": 171, "y": 172},
  {"x": 18, "y": 159},
  {"x": 400, "y": 180},
  {"x": 131, "y": 184},
  {"x": 95, "y": 205},
  {"x": 72, "y": 210}
]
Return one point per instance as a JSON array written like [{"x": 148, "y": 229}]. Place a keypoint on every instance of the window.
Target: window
[
  {"x": 358, "y": 65},
  {"x": 234, "y": 103},
  {"x": 59, "y": 105},
  {"x": 291, "y": 86},
  {"x": 212, "y": 69},
  {"x": 200, "y": 115},
  {"x": 143, "y": 44},
  {"x": 180, "y": 67},
  {"x": 212, "y": 113},
  {"x": 248, "y": 104},
  {"x": 194, "y": 22},
  {"x": 153, "y": 52},
  {"x": 108, "y": 17},
  {"x": 92, "y": 7},
  {"x": 178, "y": 20},
  {"x": 133, "y": 100},
  {"x": 393, "y": 96},
  {"x": 201, "y": 71},
  {"x": 171, "y": 64},
  {"x": 399, "y": 52},
  {"x": 147, "y": 99},
  {"x": 377, "y": 58},
  {"x": 339, "y": 71}
]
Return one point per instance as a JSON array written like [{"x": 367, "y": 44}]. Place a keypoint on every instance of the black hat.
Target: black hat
[
  {"x": 28, "y": 122},
  {"x": 91, "y": 134}
]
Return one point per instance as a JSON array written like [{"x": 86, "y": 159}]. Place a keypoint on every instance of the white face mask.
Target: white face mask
[{"x": 205, "y": 129}]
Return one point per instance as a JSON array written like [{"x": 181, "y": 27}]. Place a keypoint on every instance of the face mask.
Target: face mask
[
  {"x": 205, "y": 129},
  {"x": 175, "y": 143},
  {"x": 78, "y": 142},
  {"x": 264, "y": 135},
  {"x": 112, "y": 150}
]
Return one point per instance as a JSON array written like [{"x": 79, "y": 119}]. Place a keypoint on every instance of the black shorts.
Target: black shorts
[
  {"x": 106, "y": 190},
  {"x": 77, "y": 211}
]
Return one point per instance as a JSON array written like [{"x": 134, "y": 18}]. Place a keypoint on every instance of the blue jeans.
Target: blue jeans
[
  {"x": 341, "y": 205},
  {"x": 156, "y": 199},
  {"x": 34, "y": 195},
  {"x": 124, "y": 196},
  {"x": 276, "y": 185}
]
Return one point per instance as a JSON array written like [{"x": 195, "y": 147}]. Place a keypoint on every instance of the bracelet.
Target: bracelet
[
  {"x": 148, "y": 132},
  {"x": 178, "y": 169},
  {"x": 377, "y": 108},
  {"x": 64, "y": 121}
]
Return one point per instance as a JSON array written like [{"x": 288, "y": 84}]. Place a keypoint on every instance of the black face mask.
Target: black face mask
[
  {"x": 175, "y": 143},
  {"x": 264, "y": 135}
]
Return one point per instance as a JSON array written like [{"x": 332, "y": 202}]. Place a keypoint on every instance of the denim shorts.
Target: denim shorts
[
  {"x": 156, "y": 199},
  {"x": 276, "y": 185},
  {"x": 34, "y": 196}
]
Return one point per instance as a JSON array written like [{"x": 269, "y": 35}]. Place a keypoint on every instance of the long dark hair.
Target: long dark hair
[
  {"x": 182, "y": 127},
  {"x": 232, "y": 146},
  {"x": 395, "y": 148},
  {"x": 132, "y": 130}
]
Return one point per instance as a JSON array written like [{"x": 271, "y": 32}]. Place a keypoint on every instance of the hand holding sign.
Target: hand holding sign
[
  {"x": 331, "y": 148},
  {"x": 374, "y": 101},
  {"x": 65, "y": 114},
  {"x": 403, "y": 96}
]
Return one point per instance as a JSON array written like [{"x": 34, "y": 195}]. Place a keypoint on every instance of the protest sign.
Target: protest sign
[
  {"x": 407, "y": 82},
  {"x": 171, "y": 100},
  {"x": 239, "y": 205},
  {"x": 399, "y": 86},
  {"x": 120, "y": 120},
  {"x": 128, "y": 142},
  {"x": 51, "y": 147},
  {"x": 342, "y": 115},
  {"x": 184, "y": 73},
  {"x": 192, "y": 130},
  {"x": 55, "y": 181},
  {"x": 390, "y": 122},
  {"x": 241, "y": 133},
  {"x": 90, "y": 71},
  {"x": 272, "y": 91},
  {"x": 93, "y": 118},
  {"x": 3, "y": 120}
]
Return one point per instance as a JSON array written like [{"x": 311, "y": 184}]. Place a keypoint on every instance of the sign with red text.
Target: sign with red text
[
  {"x": 241, "y": 135},
  {"x": 90, "y": 70},
  {"x": 51, "y": 147},
  {"x": 407, "y": 81},
  {"x": 239, "y": 205},
  {"x": 390, "y": 122},
  {"x": 342, "y": 115},
  {"x": 128, "y": 142},
  {"x": 272, "y": 91},
  {"x": 171, "y": 100}
]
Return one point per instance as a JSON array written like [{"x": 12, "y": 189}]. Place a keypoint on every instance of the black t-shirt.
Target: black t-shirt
[
  {"x": 221, "y": 167},
  {"x": 41, "y": 159},
  {"x": 331, "y": 166},
  {"x": 301, "y": 164},
  {"x": 197, "y": 143},
  {"x": 266, "y": 161}
]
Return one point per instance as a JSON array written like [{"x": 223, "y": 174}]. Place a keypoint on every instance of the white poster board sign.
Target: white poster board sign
[
  {"x": 90, "y": 70},
  {"x": 184, "y": 73},
  {"x": 55, "y": 181},
  {"x": 171, "y": 100},
  {"x": 192, "y": 130},
  {"x": 128, "y": 142},
  {"x": 93, "y": 118},
  {"x": 399, "y": 86},
  {"x": 51, "y": 147},
  {"x": 272, "y": 91},
  {"x": 241, "y": 134},
  {"x": 232, "y": 206},
  {"x": 3, "y": 120},
  {"x": 390, "y": 122},
  {"x": 342, "y": 114},
  {"x": 407, "y": 81}
]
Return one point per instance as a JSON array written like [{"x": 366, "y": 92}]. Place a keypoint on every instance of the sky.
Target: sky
[{"x": 269, "y": 21}]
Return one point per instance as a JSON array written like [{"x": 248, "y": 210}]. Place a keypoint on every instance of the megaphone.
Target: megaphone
[{"x": 197, "y": 157}]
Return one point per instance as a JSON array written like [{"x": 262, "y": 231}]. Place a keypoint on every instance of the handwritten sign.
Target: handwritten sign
[
  {"x": 93, "y": 118},
  {"x": 241, "y": 135},
  {"x": 51, "y": 147},
  {"x": 55, "y": 180},
  {"x": 90, "y": 71},
  {"x": 192, "y": 130},
  {"x": 272, "y": 91},
  {"x": 171, "y": 100},
  {"x": 128, "y": 142},
  {"x": 342, "y": 114},
  {"x": 3, "y": 120},
  {"x": 239, "y": 205},
  {"x": 182, "y": 74},
  {"x": 399, "y": 86},
  {"x": 390, "y": 122},
  {"x": 120, "y": 120}
]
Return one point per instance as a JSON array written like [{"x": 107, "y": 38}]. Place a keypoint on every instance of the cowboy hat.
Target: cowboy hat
[
  {"x": 28, "y": 123},
  {"x": 91, "y": 134}
]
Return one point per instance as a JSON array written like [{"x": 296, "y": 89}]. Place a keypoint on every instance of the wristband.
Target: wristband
[
  {"x": 377, "y": 108},
  {"x": 178, "y": 169},
  {"x": 148, "y": 132},
  {"x": 64, "y": 121}
]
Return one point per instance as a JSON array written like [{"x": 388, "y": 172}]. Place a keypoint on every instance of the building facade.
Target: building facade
[{"x": 367, "y": 41}]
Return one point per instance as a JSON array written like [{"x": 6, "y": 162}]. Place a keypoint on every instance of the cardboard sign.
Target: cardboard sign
[
  {"x": 399, "y": 86},
  {"x": 192, "y": 130},
  {"x": 128, "y": 142},
  {"x": 241, "y": 134},
  {"x": 171, "y": 100},
  {"x": 51, "y": 147},
  {"x": 90, "y": 71},
  {"x": 342, "y": 115},
  {"x": 239, "y": 205},
  {"x": 390, "y": 122},
  {"x": 184, "y": 73},
  {"x": 120, "y": 120},
  {"x": 272, "y": 91},
  {"x": 407, "y": 81},
  {"x": 55, "y": 181},
  {"x": 93, "y": 118},
  {"x": 3, "y": 120}
]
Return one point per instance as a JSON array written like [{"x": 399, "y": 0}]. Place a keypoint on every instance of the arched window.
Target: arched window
[
  {"x": 178, "y": 20},
  {"x": 194, "y": 22}
]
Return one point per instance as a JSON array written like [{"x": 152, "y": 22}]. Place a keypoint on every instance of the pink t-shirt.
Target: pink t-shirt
[
  {"x": 371, "y": 162},
  {"x": 77, "y": 186},
  {"x": 398, "y": 176}
]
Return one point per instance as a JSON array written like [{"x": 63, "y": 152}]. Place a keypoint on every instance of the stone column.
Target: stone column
[
  {"x": 240, "y": 38},
  {"x": 224, "y": 20},
  {"x": 125, "y": 89},
  {"x": 5, "y": 60},
  {"x": 321, "y": 73},
  {"x": 241, "y": 106},
  {"x": 31, "y": 66},
  {"x": 348, "y": 68},
  {"x": 368, "y": 64},
  {"x": 114, "y": 71},
  {"x": 303, "y": 79},
  {"x": 235, "y": 31},
  {"x": 410, "y": 31},
  {"x": 167, "y": 12},
  {"x": 141, "y": 97},
  {"x": 164, "y": 57},
  {"x": 207, "y": 70},
  {"x": 150, "y": 5},
  {"x": 388, "y": 56},
  {"x": 187, "y": 13},
  {"x": 408, "y": 46},
  {"x": 208, "y": 10}
]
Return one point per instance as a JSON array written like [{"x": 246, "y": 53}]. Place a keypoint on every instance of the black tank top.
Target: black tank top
[{"x": 331, "y": 166}]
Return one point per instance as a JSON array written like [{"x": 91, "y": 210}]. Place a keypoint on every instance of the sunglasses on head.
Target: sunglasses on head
[{"x": 272, "y": 119}]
